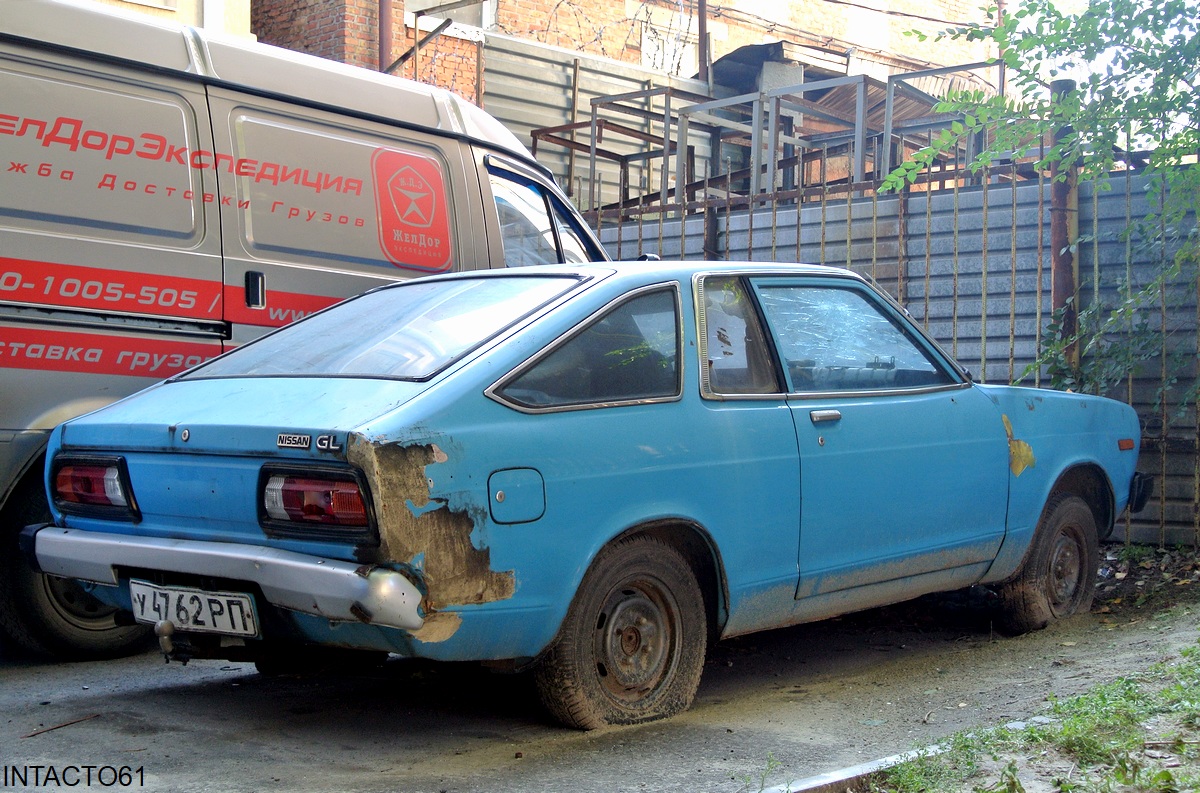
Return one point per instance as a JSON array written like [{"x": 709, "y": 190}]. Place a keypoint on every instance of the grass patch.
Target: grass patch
[{"x": 1138, "y": 733}]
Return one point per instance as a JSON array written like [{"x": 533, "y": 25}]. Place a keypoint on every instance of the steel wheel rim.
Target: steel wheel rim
[
  {"x": 1066, "y": 570},
  {"x": 635, "y": 641}
]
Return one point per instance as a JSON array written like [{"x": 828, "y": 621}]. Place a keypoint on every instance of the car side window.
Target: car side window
[
  {"x": 736, "y": 351},
  {"x": 630, "y": 354},
  {"x": 535, "y": 228},
  {"x": 835, "y": 339}
]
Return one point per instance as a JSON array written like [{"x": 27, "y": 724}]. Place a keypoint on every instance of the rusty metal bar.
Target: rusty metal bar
[
  {"x": 1012, "y": 294},
  {"x": 954, "y": 276},
  {"x": 849, "y": 228},
  {"x": 799, "y": 211},
  {"x": 983, "y": 332},
  {"x": 1041, "y": 258},
  {"x": 1162, "y": 308},
  {"x": 824, "y": 197},
  {"x": 928, "y": 249},
  {"x": 574, "y": 121},
  {"x": 874, "y": 235}
]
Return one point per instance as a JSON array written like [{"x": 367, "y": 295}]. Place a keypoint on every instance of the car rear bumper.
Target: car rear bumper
[{"x": 329, "y": 588}]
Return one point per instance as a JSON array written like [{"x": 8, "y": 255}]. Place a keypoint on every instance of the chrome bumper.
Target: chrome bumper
[{"x": 329, "y": 588}]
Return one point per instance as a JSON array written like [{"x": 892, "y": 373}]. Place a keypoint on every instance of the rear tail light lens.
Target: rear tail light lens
[
  {"x": 315, "y": 505},
  {"x": 93, "y": 486},
  {"x": 308, "y": 500}
]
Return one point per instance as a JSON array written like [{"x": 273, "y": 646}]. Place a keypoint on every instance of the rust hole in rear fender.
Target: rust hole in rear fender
[{"x": 455, "y": 571}]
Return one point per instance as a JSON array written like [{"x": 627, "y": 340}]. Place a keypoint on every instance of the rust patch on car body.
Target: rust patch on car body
[
  {"x": 422, "y": 531},
  {"x": 1020, "y": 453},
  {"x": 438, "y": 627}
]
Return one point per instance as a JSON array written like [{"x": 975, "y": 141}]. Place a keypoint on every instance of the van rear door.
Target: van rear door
[{"x": 109, "y": 232}]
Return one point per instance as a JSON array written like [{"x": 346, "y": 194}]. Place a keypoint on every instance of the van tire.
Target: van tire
[{"x": 46, "y": 616}]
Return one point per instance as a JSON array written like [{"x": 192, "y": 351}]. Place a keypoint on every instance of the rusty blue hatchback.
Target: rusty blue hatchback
[{"x": 591, "y": 472}]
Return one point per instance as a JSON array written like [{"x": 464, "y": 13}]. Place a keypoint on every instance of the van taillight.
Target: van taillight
[
  {"x": 93, "y": 486},
  {"x": 307, "y": 499}
]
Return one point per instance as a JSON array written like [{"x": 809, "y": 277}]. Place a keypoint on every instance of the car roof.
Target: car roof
[{"x": 650, "y": 271}]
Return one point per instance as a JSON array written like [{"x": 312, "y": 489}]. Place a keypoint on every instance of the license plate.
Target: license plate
[{"x": 196, "y": 610}]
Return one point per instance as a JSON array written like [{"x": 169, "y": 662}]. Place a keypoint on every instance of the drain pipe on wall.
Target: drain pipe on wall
[
  {"x": 385, "y": 34},
  {"x": 1064, "y": 231}
]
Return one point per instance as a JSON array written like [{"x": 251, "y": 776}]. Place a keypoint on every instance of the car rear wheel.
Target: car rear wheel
[
  {"x": 632, "y": 646},
  {"x": 1058, "y": 578}
]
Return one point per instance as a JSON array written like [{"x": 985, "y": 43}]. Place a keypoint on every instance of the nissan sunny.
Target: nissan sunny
[{"x": 592, "y": 472}]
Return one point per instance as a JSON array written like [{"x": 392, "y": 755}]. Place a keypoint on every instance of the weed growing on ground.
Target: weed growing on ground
[{"x": 1139, "y": 733}]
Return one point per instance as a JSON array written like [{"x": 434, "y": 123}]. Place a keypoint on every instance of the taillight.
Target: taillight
[
  {"x": 315, "y": 505},
  {"x": 93, "y": 486},
  {"x": 304, "y": 499}
]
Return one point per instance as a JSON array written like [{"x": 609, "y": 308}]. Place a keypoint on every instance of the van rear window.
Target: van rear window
[{"x": 406, "y": 331}]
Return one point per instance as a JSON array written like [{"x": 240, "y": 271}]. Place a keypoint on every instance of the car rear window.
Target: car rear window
[{"x": 408, "y": 332}]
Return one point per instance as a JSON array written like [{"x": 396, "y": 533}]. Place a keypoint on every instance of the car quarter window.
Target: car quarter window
[
  {"x": 629, "y": 354},
  {"x": 535, "y": 228},
  {"x": 834, "y": 338},
  {"x": 736, "y": 352}
]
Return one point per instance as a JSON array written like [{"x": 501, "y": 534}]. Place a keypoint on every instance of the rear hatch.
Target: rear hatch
[{"x": 195, "y": 450}]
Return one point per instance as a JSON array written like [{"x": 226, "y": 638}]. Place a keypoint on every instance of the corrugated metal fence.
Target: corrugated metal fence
[{"x": 985, "y": 296}]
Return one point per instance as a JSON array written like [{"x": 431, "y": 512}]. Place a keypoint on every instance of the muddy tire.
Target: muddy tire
[
  {"x": 632, "y": 646},
  {"x": 1058, "y": 578},
  {"x": 47, "y": 616}
]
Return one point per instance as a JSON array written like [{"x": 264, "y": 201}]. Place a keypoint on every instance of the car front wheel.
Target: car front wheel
[
  {"x": 1058, "y": 578},
  {"x": 632, "y": 646}
]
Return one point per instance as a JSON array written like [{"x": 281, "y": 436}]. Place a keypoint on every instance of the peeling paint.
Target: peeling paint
[
  {"x": 422, "y": 531},
  {"x": 1020, "y": 453}
]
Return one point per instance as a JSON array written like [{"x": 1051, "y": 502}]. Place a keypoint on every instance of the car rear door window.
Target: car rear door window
[
  {"x": 833, "y": 338},
  {"x": 629, "y": 354},
  {"x": 736, "y": 352}
]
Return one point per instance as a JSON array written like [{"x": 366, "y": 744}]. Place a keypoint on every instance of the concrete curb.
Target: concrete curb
[{"x": 852, "y": 779}]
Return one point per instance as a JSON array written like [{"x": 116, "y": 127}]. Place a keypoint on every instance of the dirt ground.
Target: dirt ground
[{"x": 773, "y": 707}]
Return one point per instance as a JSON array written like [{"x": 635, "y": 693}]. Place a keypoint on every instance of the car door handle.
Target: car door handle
[{"x": 819, "y": 416}]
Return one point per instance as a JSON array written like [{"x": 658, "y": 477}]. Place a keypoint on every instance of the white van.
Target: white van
[{"x": 166, "y": 194}]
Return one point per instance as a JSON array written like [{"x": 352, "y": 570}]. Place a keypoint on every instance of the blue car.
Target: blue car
[{"x": 592, "y": 472}]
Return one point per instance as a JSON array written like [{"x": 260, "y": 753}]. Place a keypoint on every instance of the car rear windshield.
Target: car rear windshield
[{"x": 408, "y": 332}]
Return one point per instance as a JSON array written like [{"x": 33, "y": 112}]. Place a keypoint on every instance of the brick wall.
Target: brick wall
[
  {"x": 345, "y": 30},
  {"x": 317, "y": 27}
]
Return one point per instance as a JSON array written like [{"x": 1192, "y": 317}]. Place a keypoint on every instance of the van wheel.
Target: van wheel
[
  {"x": 632, "y": 646},
  {"x": 1058, "y": 578},
  {"x": 49, "y": 616}
]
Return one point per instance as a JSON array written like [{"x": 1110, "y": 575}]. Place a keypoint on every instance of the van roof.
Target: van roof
[{"x": 251, "y": 66}]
